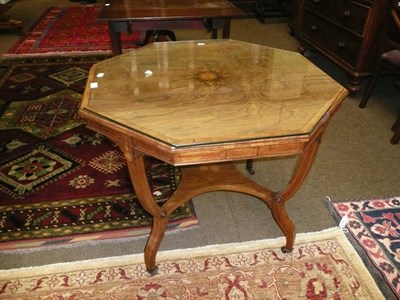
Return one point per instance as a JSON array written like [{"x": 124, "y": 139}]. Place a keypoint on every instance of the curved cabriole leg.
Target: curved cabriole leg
[
  {"x": 137, "y": 172},
  {"x": 279, "y": 213},
  {"x": 197, "y": 180},
  {"x": 285, "y": 224},
  {"x": 138, "y": 176},
  {"x": 154, "y": 242}
]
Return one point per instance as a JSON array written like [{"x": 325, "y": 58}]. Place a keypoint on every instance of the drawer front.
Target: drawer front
[
  {"x": 348, "y": 14},
  {"x": 339, "y": 42}
]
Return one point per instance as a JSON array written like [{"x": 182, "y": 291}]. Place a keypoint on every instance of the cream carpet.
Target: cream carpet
[{"x": 323, "y": 266}]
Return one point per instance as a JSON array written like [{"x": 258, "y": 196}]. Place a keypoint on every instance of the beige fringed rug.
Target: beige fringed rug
[{"x": 323, "y": 265}]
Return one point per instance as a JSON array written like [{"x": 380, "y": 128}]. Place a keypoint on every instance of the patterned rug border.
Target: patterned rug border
[
  {"x": 114, "y": 237},
  {"x": 108, "y": 237},
  {"x": 225, "y": 249},
  {"x": 370, "y": 266}
]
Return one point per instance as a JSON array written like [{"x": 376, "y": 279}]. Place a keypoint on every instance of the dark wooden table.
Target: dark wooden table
[{"x": 127, "y": 15}]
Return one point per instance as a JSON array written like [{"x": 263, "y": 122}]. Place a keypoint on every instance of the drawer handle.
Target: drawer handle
[
  {"x": 346, "y": 14},
  {"x": 341, "y": 45},
  {"x": 314, "y": 27}
]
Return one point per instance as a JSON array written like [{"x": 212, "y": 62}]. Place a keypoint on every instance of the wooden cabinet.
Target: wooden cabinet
[
  {"x": 272, "y": 8},
  {"x": 392, "y": 30},
  {"x": 348, "y": 32}
]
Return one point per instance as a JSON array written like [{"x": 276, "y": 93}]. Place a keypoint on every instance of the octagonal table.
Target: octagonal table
[{"x": 204, "y": 105}]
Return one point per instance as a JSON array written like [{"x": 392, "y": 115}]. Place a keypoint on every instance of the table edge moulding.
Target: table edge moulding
[{"x": 207, "y": 167}]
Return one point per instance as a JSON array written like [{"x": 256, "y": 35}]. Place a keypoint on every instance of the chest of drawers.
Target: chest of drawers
[
  {"x": 272, "y": 8},
  {"x": 348, "y": 32}
]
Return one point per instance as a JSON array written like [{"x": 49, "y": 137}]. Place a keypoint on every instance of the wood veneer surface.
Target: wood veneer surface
[{"x": 214, "y": 91}]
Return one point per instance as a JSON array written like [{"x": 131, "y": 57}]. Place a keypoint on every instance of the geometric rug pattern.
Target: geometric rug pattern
[
  {"x": 44, "y": 117},
  {"x": 33, "y": 169},
  {"x": 375, "y": 229},
  {"x": 61, "y": 182}
]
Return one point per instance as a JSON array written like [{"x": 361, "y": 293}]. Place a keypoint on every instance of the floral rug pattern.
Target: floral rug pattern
[
  {"x": 375, "y": 227},
  {"x": 322, "y": 266}
]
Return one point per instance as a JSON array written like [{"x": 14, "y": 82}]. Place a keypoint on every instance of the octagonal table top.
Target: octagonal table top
[{"x": 210, "y": 92}]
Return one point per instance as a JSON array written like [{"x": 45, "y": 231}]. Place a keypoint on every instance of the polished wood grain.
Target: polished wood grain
[
  {"x": 151, "y": 10},
  {"x": 128, "y": 15},
  {"x": 212, "y": 92},
  {"x": 204, "y": 106}
]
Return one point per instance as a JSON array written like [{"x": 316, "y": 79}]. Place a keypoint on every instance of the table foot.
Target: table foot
[
  {"x": 285, "y": 224},
  {"x": 154, "y": 241},
  {"x": 286, "y": 250},
  {"x": 152, "y": 272}
]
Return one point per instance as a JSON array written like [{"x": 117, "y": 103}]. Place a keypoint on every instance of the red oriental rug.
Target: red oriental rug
[
  {"x": 323, "y": 265},
  {"x": 69, "y": 30},
  {"x": 374, "y": 226},
  {"x": 60, "y": 182}
]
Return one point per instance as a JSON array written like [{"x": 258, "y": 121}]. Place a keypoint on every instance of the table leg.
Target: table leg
[
  {"x": 226, "y": 29},
  {"x": 285, "y": 224},
  {"x": 304, "y": 163},
  {"x": 216, "y": 24},
  {"x": 214, "y": 33},
  {"x": 196, "y": 180},
  {"x": 200, "y": 179},
  {"x": 137, "y": 172},
  {"x": 153, "y": 243},
  {"x": 115, "y": 29}
]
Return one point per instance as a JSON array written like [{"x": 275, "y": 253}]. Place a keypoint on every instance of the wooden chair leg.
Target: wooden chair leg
[
  {"x": 396, "y": 128},
  {"x": 370, "y": 86}
]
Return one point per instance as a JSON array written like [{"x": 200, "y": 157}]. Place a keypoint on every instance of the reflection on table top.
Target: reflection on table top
[
  {"x": 213, "y": 91},
  {"x": 168, "y": 9}
]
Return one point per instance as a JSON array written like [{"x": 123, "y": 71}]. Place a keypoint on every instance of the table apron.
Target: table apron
[
  {"x": 210, "y": 154},
  {"x": 204, "y": 154},
  {"x": 126, "y": 26}
]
